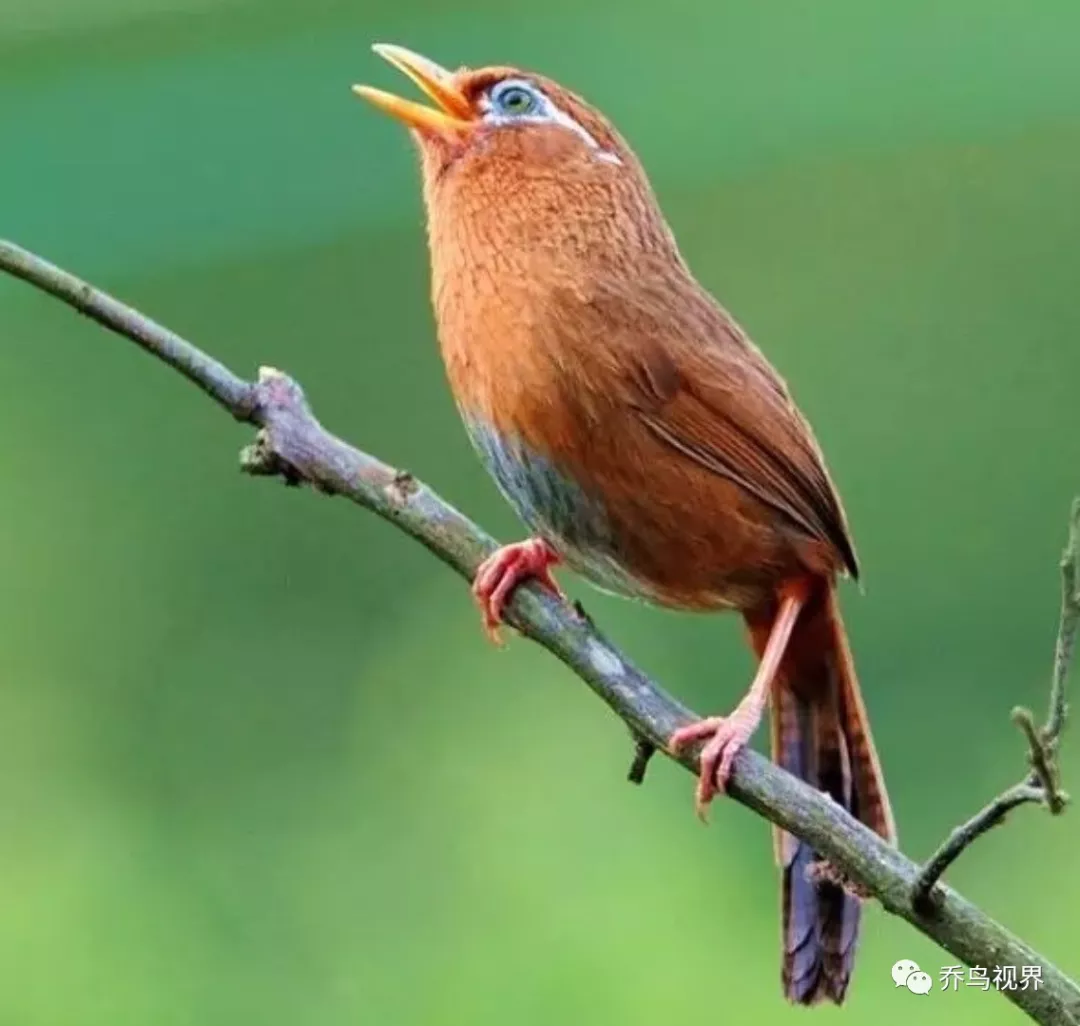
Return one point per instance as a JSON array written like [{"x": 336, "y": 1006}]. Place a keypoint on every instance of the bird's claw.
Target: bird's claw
[
  {"x": 503, "y": 571},
  {"x": 727, "y": 735}
]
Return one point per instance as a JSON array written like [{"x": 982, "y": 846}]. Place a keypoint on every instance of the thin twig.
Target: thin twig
[
  {"x": 644, "y": 750},
  {"x": 214, "y": 378},
  {"x": 292, "y": 443},
  {"x": 985, "y": 819},
  {"x": 1042, "y": 758},
  {"x": 1068, "y": 628},
  {"x": 1042, "y": 784}
]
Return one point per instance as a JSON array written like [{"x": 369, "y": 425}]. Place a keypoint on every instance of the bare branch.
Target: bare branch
[
  {"x": 1042, "y": 784},
  {"x": 965, "y": 834},
  {"x": 293, "y": 444},
  {"x": 1068, "y": 628},
  {"x": 215, "y": 379}
]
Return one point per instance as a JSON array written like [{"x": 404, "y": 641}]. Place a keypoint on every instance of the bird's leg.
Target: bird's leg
[
  {"x": 728, "y": 734},
  {"x": 504, "y": 570}
]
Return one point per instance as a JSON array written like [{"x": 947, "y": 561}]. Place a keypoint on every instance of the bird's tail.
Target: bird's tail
[{"x": 820, "y": 733}]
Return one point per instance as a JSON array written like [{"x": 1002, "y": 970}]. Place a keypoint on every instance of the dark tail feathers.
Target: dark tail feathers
[{"x": 820, "y": 734}]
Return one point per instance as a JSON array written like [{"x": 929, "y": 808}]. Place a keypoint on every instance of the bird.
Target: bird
[{"x": 644, "y": 440}]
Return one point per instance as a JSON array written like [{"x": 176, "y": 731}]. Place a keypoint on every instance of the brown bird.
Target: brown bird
[{"x": 642, "y": 437}]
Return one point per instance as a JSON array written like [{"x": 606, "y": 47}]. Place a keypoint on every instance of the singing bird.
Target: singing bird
[{"x": 643, "y": 439}]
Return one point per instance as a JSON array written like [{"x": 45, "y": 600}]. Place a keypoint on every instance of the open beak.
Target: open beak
[{"x": 453, "y": 112}]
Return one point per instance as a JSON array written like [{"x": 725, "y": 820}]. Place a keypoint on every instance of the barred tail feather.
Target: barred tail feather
[{"x": 820, "y": 733}]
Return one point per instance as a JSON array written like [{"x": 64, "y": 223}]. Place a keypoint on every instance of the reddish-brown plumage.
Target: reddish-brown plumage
[{"x": 641, "y": 435}]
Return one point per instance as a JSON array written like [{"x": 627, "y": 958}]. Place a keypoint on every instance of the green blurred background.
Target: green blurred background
[{"x": 257, "y": 763}]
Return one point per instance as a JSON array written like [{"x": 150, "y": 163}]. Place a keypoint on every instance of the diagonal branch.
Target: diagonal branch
[
  {"x": 1042, "y": 784},
  {"x": 291, "y": 443}
]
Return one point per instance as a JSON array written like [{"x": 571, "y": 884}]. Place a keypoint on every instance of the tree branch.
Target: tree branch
[
  {"x": 291, "y": 442},
  {"x": 1042, "y": 784}
]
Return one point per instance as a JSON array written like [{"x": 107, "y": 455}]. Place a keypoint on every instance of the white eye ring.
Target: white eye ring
[{"x": 540, "y": 111}]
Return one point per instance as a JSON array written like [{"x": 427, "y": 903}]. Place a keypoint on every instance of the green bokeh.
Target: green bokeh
[{"x": 257, "y": 764}]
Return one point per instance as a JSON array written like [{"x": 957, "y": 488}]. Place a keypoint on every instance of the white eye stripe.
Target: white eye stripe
[{"x": 547, "y": 113}]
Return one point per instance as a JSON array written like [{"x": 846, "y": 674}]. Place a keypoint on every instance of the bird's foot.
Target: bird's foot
[
  {"x": 504, "y": 570},
  {"x": 727, "y": 735}
]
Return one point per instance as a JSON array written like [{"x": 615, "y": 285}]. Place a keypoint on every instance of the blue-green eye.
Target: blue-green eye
[{"x": 514, "y": 100}]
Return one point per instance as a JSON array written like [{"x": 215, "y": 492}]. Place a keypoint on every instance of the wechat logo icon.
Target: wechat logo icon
[{"x": 906, "y": 973}]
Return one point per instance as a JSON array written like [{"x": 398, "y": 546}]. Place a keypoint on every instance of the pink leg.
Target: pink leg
[
  {"x": 728, "y": 734},
  {"x": 504, "y": 570}
]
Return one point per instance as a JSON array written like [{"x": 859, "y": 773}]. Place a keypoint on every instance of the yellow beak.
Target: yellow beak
[{"x": 453, "y": 113}]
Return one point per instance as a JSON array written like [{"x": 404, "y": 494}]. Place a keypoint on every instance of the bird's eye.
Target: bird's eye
[{"x": 513, "y": 100}]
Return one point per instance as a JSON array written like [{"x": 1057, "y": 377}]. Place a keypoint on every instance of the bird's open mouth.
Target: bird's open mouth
[{"x": 453, "y": 113}]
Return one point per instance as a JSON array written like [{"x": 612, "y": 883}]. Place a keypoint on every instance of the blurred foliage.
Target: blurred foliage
[{"x": 257, "y": 763}]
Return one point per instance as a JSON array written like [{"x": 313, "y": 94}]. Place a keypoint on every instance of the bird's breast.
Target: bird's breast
[{"x": 516, "y": 378}]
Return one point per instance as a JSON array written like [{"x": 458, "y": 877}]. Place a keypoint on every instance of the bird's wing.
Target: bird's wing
[{"x": 699, "y": 385}]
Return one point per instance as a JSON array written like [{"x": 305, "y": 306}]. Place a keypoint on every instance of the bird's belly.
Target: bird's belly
[
  {"x": 557, "y": 509},
  {"x": 677, "y": 538}
]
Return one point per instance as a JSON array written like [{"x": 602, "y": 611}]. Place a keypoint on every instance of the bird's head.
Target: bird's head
[{"x": 524, "y": 155}]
